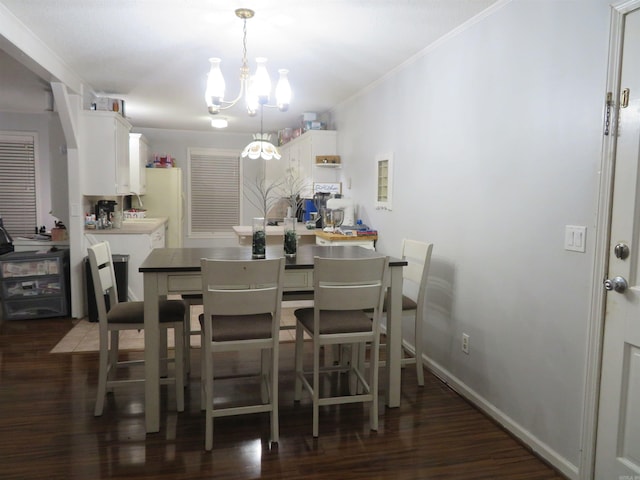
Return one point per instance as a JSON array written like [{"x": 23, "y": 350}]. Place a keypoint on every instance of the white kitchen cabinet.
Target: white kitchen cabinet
[
  {"x": 105, "y": 153},
  {"x": 300, "y": 154},
  {"x": 138, "y": 157},
  {"x": 275, "y": 170}
]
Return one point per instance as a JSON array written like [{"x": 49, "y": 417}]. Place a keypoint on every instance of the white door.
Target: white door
[{"x": 618, "y": 439}]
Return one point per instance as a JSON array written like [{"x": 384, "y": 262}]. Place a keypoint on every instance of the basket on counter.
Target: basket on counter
[{"x": 135, "y": 213}]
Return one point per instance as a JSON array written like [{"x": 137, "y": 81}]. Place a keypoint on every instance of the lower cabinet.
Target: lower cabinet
[
  {"x": 349, "y": 241},
  {"x": 137, "y": 246}
]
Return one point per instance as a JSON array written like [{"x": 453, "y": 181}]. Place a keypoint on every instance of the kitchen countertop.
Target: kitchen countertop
[
  {"x": 132, "y": 226},
  {"x": 22, "y": 244},
  {"x": 341, "y": 237},
  {"x": 247, "y": 231}
]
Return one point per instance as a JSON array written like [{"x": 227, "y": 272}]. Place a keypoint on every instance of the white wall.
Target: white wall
[
  {"x": 177, "y": 144},
  {"x": 51, "y": 172},
  {"x": 496, "y": 134}
]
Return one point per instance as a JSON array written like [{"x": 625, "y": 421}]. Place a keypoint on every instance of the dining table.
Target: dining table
[{"x": 176, "y": 271}]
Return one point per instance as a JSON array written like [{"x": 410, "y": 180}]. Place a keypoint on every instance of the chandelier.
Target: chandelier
[
  {"x": 261, "y": 146},
  {"x": 255, "y": 89}
]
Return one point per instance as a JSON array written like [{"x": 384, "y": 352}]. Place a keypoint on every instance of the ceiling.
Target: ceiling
[{"x": 154, "y": 53}]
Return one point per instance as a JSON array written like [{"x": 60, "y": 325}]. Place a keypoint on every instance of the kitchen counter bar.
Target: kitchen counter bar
[
  {"x": 275, "y": 234},
  {"x": 339, "y": 237}
]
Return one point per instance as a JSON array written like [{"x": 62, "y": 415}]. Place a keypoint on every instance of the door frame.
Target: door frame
[{"x": 596, "y": 321}]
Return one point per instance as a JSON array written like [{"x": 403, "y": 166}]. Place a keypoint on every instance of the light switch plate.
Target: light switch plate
[{"x": 575, "y": 238}]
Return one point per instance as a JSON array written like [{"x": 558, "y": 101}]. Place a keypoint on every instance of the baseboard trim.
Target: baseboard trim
[{"x": 538, "y": 447}]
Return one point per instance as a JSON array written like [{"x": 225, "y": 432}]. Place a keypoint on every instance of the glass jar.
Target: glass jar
[
  {"x": 117, "y": 219},
  {"x": 259, "y": 239},
  {"x": 290, "y": 237}
]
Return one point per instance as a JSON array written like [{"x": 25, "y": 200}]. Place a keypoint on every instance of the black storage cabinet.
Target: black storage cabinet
[
  {"x": 121, "y": 269},
  {"x": 34, "y": 284}
]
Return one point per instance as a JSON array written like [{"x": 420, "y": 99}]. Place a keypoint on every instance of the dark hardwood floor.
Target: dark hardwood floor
[{"x": 48, "y": 431}]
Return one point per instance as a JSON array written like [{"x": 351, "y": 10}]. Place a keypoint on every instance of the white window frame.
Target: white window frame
[
  {"x": 22, "y": 137},
  {"x": 213, "y": 153}
]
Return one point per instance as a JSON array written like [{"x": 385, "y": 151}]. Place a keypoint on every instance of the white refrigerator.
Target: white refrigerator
[{"x": 164, "y": 198}]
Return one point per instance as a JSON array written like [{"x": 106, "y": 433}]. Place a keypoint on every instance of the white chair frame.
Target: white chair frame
[
  {"x": 418, "y": 256},
  {"x": 104, "y": 281},
  {"x": 244, "y": 289},
  {"x": 349, "y": 286},
  {"x": 416, "y": 274}
]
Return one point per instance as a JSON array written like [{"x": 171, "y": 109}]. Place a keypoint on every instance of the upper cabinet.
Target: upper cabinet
[
  {"x": 138, "y": 157},
  {"x": 300, "y": 154},
  {"x": 106, "y": 153}
]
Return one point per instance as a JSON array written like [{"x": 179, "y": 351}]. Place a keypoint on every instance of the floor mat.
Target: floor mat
[{"x": 83, "y": 337}]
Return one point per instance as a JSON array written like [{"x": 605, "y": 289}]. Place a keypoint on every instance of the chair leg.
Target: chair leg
[
  {"x": 265, "y": 374},
  {"x": 188, "y": 332},
  {"x": 163, "y": 353},
  {"x": 208, "y": 398},
  {"x": 275, "y": 429},
  {"x": 186, "y": 340},
  {"x": 103, "y": 369},
  {"x": 178, "y": 335},
  {"x": 203, "y": 361},
  {"x": 362, "y": 362},
  {"x": 114, "y": 349},
  {"x": 352, "y": 349},
  {"x": 316, "y": 386},
  {"x": 298, "y": 362},
  {"x": 373, "y": 384},
  {"x": 418, "y": 350}
]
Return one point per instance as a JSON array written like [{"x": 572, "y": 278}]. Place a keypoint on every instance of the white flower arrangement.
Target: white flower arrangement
[{"x": 291, "y": 188}]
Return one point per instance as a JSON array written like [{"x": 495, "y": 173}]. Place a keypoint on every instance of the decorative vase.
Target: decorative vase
[
  {"x": 259, "y": 241},
  {"x": 290, "y": 237}
]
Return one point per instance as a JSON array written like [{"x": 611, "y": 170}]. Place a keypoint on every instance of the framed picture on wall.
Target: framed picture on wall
[{"x": 335, "y": 188}]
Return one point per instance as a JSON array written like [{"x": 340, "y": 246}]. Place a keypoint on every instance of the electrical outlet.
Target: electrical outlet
[{"x": 465, "y": 343}]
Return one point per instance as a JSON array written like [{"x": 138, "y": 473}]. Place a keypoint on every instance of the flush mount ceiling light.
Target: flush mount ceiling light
[
  {"x": 256, "y": 89},
  {"x": 219, "y": 122}
]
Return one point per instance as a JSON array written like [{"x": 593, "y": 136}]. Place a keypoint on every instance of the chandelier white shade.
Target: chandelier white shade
[
  {"x": 255, "y": 89},
  {"x": 261, "y": 147}
]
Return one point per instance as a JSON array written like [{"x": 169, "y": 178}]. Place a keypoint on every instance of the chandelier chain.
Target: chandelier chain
[{"x": 245, "y": 66}]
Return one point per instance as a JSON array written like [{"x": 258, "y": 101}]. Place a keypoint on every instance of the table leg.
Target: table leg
[
  {"x": 151, "y": 353},
  {"x": 394, "y": 337}
]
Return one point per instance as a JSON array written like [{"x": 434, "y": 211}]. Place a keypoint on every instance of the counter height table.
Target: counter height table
[{"x": 170, "y": 271}]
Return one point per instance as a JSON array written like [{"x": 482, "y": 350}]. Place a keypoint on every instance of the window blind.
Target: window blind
[
  {"x": 18, "y": 184},
  {"x": 214, "y": 192}
]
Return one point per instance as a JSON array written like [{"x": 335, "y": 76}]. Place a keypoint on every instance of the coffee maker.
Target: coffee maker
[
  {"x": 320, "y": 201},
  {"x": 104, "y": 213}
]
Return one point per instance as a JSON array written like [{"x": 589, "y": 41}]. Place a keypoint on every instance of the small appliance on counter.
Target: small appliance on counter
[
  {"x": 105, "y": 210},
  {"x": 6, "y": 242},
  {"x": 320, "y": 202},
  {"x": 345, "y": 204}
]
